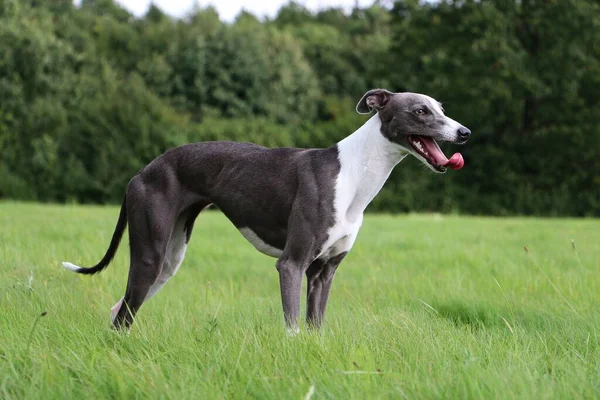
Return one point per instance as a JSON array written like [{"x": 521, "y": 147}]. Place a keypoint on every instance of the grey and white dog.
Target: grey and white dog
[{"x": 302, "y": 206}]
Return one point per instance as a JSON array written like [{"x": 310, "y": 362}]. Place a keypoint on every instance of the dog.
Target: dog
[{"x": 302, "y": 206}]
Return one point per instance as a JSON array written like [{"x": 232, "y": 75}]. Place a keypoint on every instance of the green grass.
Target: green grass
[{"x": 423, "y": 307}]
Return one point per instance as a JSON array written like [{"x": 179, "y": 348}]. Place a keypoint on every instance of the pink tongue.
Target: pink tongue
[{"x": 456, "y": 161}]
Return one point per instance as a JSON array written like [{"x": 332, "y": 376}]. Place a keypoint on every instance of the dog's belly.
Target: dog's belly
[
  {"x": 263, "y": 230},
  {"x": 260, "y": 244},
  {"x": 340, "y": 242}
]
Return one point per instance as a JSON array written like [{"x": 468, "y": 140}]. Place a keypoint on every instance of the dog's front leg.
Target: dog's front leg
[
  {"x": 320, "y": 276},
  {"x": 290, "y": 282}
]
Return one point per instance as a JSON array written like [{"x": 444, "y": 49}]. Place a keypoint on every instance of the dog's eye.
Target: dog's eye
[{"x": 420, "y": 111}]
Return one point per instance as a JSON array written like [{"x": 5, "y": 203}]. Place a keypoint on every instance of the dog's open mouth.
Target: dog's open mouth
[{"x": 430, "y": 151}]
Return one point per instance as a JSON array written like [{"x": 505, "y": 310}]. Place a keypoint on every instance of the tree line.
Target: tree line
[{"x": 90, "y": 94}]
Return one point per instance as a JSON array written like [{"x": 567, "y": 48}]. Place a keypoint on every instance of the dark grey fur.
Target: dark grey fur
[{"x": 284, "y": 195}]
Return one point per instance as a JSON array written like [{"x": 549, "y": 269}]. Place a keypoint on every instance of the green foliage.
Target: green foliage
[
  {"x": 519, "y": 74},
  {"x": 90, "y": 93}
]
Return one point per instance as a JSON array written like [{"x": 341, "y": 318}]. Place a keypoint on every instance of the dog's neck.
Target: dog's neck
[{"x": 367, "y": 159}]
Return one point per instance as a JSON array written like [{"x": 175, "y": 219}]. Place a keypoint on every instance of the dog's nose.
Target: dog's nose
[{"x": 463, "y": 133}]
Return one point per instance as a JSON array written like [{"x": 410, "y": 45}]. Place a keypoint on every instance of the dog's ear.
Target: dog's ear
[{"x": 374, "y": 99}]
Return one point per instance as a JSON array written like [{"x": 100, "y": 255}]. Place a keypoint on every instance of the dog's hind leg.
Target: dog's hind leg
[
  {"x": 151, "y": 218},
  {"x": 173, "y": 259},
  {"x": 177, "y": 247},
  {"x": 114, "y": 310}
]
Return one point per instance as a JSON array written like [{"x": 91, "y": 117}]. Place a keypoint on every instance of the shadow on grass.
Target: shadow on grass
[
  {"x": 461, "y": 314},
  {"x": 478, "y": 316}
]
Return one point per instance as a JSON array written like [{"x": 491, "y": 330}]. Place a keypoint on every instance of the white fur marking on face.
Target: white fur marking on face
[
  {"x": 259, "y": 244},
  {"x": 435, "y": 105},
  {"x": 450, "y": 130}
]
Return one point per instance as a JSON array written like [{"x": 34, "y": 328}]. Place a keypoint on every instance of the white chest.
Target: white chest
[
  {"x": 366, "y": 161},
  {"x": 341, "y": 238}
]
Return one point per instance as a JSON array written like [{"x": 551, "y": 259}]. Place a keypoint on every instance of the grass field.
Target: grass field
[{"x": 423, "y": 307}]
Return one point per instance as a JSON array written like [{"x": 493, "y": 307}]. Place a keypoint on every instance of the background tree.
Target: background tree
[{"x": 91, "y": 93}]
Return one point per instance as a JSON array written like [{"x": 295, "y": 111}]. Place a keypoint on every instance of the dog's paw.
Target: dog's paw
[{"x": 292, "y": 331}]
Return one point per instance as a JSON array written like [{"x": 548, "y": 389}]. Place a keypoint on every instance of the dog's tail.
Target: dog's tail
[{"x": 112, "y": 249}]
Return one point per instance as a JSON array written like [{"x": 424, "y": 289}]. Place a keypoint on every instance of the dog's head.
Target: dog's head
[{"x": 415, "y": 122}]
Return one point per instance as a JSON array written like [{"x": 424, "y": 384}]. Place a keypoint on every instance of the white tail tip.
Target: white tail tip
[{"x": 71, "y": 267}]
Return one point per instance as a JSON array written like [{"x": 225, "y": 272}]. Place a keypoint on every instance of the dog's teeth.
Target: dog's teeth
[{"x": 418, "y": 145}]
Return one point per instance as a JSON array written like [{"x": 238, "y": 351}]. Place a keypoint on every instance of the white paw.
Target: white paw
[{"x": 292, "y": 331}]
